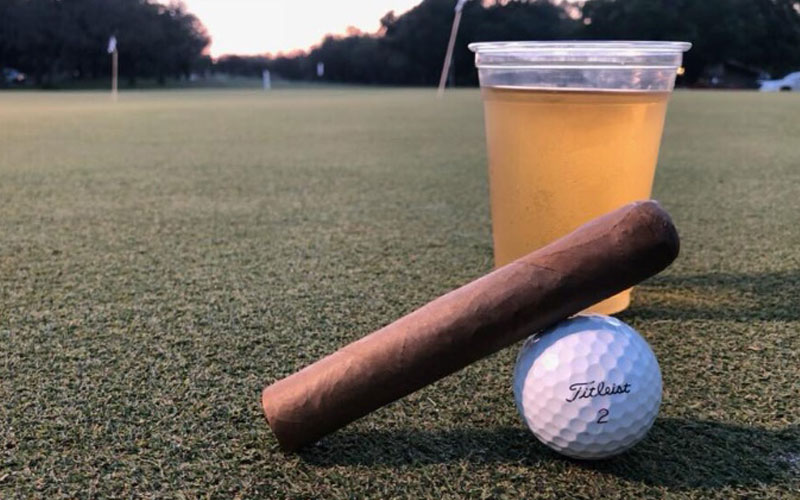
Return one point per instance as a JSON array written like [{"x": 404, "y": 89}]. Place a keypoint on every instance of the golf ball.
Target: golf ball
[{"x": 588, "y": 387}]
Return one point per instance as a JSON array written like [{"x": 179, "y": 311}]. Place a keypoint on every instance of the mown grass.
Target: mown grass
[{"x": 165, "y": 257}]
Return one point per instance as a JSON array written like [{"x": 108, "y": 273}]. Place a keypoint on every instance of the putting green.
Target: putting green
[{"x": 165, "y": 257}]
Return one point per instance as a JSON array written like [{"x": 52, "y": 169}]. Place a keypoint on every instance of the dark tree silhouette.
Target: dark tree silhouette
[
  {"x": 760, "y": 33},
  {"x": 57, "y": 40},
  {"x": 409, "y": 49},
  {"x": 54, "y": 40}
]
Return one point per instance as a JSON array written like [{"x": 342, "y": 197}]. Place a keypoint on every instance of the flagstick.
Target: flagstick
[
  {"x": 114, "y": 74},
  {"x": 451, "y": 44}
]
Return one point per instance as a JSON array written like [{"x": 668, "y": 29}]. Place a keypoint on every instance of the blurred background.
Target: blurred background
[{"x": 63, "y": 43}]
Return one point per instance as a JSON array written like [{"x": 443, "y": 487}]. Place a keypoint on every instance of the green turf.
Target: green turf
[{"x": 164, "y": 258}]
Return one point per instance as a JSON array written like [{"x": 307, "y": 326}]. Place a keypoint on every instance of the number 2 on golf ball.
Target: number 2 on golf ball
[{"x": 589, "y": 387}]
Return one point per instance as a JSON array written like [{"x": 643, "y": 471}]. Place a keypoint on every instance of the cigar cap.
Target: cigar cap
[{"x": 663, "y": 237}]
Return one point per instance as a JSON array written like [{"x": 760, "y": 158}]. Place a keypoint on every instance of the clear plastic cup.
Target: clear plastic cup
[{"x": 573, "y": 131}]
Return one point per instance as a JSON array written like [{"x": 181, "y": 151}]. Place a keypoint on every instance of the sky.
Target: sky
[{"x": 273, "y": 26}]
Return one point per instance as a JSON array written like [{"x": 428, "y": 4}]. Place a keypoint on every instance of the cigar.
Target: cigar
[{"x": 599, "y": 259}]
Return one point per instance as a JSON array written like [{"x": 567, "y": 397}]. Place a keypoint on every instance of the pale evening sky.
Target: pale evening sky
[{"x": 272, "y": 26}]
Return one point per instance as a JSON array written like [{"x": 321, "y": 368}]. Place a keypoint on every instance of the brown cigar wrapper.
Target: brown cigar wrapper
[{"x": 599, "y": 259}]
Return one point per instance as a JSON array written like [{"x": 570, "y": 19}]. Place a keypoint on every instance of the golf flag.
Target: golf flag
[
  {"x": 450, "y": 46},
  {"x": 112, "y": 49}
]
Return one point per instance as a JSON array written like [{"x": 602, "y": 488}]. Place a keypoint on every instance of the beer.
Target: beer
[{"x": 558, "y": 158}]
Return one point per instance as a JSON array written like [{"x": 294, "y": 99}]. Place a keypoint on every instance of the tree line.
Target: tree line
[
  {"x": 53, "y": 40},
  {"x": 409, "y": 49},
  {"x": 57, "y": 40}
]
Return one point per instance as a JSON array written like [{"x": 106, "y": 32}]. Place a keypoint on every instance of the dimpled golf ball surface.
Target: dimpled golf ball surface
[{"x": 589, "y": 387}]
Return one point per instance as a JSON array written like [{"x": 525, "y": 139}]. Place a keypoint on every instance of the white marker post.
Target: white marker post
[
  {"x": 320, "y": 69},
  {"x": 450, "y": 45},
  {"x": 266, "y": 80},
  {"x": 112, "y": 49}
]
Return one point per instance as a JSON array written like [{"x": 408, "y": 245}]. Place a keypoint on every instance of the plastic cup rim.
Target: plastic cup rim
[{"x": 627, "y": 47}]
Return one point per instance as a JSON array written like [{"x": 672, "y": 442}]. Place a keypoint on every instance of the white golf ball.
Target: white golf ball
[{"x": 589, "y": 387}]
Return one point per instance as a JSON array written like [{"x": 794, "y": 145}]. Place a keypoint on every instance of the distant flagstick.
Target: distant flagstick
[
  {"x": 448, "y": 57},
  {"x": 112, "y": 49}
]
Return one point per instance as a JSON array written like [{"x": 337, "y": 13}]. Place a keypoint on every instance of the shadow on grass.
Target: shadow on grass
[
  {"x": 722, "y": 296},
  {"x": 676, "y": 454}
]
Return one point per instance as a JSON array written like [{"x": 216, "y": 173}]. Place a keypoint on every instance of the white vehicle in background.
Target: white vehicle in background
[{"x": 787, "y": 83}]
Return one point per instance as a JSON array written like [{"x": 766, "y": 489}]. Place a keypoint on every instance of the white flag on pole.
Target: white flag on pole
[{"x": 112, "y": 44}]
